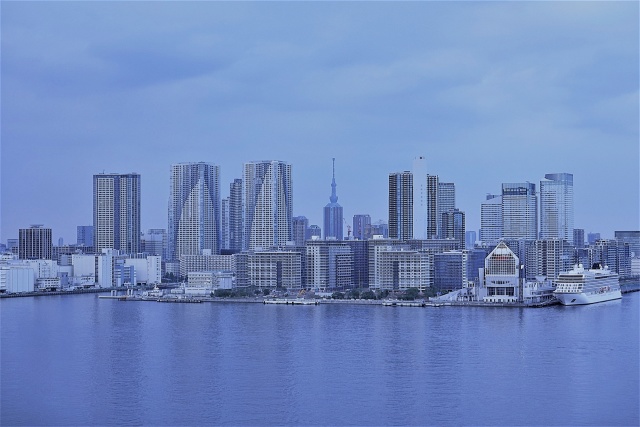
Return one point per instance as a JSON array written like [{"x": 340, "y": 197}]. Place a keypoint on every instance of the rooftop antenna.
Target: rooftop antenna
[{"x": 334, "y": 197}]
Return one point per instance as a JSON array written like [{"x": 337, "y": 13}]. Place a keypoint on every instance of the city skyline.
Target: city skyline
[{"x": 515, "y": 93}]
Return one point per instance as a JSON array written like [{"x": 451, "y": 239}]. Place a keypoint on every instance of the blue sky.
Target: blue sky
[{"x": 489, "y": 92}]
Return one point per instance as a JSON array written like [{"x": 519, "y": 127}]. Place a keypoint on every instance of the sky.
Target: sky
[{"x": 488, "y": 92}]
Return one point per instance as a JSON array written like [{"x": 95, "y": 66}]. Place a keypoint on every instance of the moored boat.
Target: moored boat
[{"x": 580, "y": 286}]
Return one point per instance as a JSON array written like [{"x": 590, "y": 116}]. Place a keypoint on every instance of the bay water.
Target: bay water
[{"x": 81, "y": 360}]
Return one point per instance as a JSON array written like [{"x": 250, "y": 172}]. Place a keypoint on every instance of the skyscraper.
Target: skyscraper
[
  {"x": 401, "y": 205},
  {"x": 34, "y": 243},
  {"x": 116, "y": 212},
  {"x": 446, "y": 202},
  {"x": 235, "y": 215},
  {"x": 268, "y": 204},
  {"x": 432, "y": 207},
  {"x": 519, "y": 211},
  {"x": 556, "y": 207},
  {"x": 362, "y": 226},
  {"x": 420, "y": 198},
  {"x": 453, "y": 226},
  {"x": 491, "y": 220},
  {"x": 85, "y": 235},
  {"x": 333, "y": 218},
  {"x": 225, "y": 235},
  {"x": 194, "y": 209}
]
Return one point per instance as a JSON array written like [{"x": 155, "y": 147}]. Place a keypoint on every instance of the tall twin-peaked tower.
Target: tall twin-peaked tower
[
  {"x": 268, "y": 204},
  {"x": 333, "y": 218},
  {"x": 116, "y": 212},
  {"x": 194, "y": 209}
]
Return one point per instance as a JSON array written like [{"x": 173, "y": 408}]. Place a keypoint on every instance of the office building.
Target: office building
[
  {"x": 419, "y": 198},
  {"x": 450, "y": 271},
  {"x": 556, "y": 207},
  {"x": 85, "y": 236},
  {"x": 470, "y": 237},
  {"x": 194, "y": 209},
  {"x": 453, "y": 226},
  {"x": 592, "y": 238},
  {"x": 268, "y": 204},
  {"x": 632, "y": 238},
  {"x": 491, "y": 220},
  {"x": 34, "y": 243},
  {"x": 333, "y": 217},
  {"x": 446, "y": 202},
  {"x": 116, "y": 212},
  {"x": 274, "y": 269},
  {"x": 401, "y": 205},
  {"x": 314, "y": 231},
  {"x": 519, "y": 211},
  {"x": 578, "y": 238},
  {"x": 380, "y": 228},
  {"x": 154, "y": 242},
  {"x": 362, "y": 226},
  {"x": 300, "y": 226}
]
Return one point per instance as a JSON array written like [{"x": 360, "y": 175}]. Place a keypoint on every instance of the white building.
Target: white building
[
  {"x": 329, "y": 264},
  {"x": 191, "y": 263},
  {"x": 275, "y": 269},
  {"x": 148, "y": 270},
  {"x": 499, "y": 282},
  {"x": 17, "y": 278}
]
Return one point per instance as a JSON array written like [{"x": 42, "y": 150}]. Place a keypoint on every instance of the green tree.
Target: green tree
[
  {"x": 368, "y": 295},
  {"x": 337, "y": 295}
]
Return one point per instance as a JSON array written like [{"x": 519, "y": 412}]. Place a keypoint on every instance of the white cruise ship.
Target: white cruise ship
[{"x": 580, "y": 286}]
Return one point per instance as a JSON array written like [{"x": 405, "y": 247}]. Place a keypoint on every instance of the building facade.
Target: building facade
[
  {"x": 268, "y": 204},
  {"x": 84, "y": 234},
  {"x": 34, "y": 243},
  {"x": 401, "y": 205},
  {"x": 194, "y": 209},
  {"x": 519, "y": 211},
  {"x": 491, "y": 220},
  {"x": 556, "y": 207},
  {"x": 116, "y": 212},
  {"x": 453, "y": 226},
  {"x": 419, "y": 197},
  {"x": 361, "y": 226}
]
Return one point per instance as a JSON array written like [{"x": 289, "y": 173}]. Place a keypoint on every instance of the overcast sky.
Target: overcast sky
[{"x": 489, "y": 92}]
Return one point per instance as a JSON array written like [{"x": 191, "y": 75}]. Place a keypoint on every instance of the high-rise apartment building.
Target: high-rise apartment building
[
  {"x": 362, "y": 226},
  {"x": 268, "y": 204},
  {"x": 225, "y": 236},
  {"x": 313, "y": 231},
  {"x": 556, "y": 207},
  {"x": 420, "y": 197},
  {"x": 401, "y": 205},
  {"x": 333, "y": 218},
  {"x": 519, "y": 211},
  {"x": 116, "y": 212},
  {"x": 433, "y": 221},
  {"x": 491, "y": 220},
  {"x": 34, "y": 243},
  {"x": 154, "y": 242},
  {"x": 446, "y": 202},
  {"x": 235, "y": 216},
  {"x": 194, "y": 209}
]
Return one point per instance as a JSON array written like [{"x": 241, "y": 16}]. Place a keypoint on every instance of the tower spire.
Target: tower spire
[{"x": 334, "y": 197}]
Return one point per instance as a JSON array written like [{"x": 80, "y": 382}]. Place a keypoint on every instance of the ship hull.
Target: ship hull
[{"x": 583, "y": 298}]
